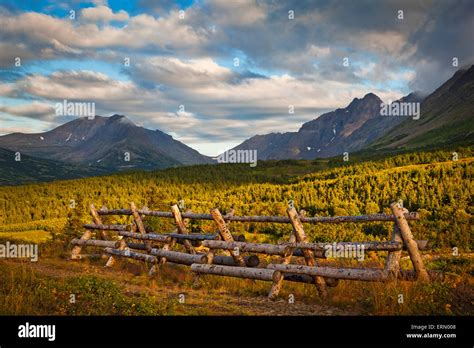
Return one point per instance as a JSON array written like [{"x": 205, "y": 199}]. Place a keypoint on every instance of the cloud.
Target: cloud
[
  {"x": 179, "y": 73},
  {"x": 236, "y": 13},
  {"x": 76, "y": 85},
  {"x": 47, "y": 37},
  {"x": 102, "y": 13},
  {"x": 188, "y": 61},
  {"x": 35, "y": 110}
]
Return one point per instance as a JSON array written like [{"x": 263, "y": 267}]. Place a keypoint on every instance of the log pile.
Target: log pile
[{"x": 203, "y": 252}]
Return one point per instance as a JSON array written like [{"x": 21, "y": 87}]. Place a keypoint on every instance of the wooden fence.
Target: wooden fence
[{"x": 201, "y": 251}]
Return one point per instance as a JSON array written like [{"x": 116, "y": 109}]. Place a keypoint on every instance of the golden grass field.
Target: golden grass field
[{"x": 45, "y": 288}]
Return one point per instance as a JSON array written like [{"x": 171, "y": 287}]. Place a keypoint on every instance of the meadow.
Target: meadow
[{"x": 434, "y": 184}]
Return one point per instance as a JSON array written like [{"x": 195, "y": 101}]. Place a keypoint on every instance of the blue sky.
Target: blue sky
[{"x": 187, "y": 59}]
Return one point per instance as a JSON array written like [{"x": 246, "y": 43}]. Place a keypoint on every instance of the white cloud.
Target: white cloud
[
  {"x": 36, "y": 110},
  {"x": 77, "y": 85},
  {"x": 47, "y": 37},
  {"x": 102, "y": 13},
  {"x": 180, "y": 73}
]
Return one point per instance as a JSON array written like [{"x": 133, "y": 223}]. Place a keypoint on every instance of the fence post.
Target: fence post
[
  {"x": 308, "y": 254},
  {"x": 87, "y": 234},
  {"x": 226, "y": 235},
  {"x": 123, "y": 244},
  {"x": 138, "y": 221},
  {"x": 97, "y": 220},
  {"x": 410, "y": 242},
  {"x": 392, "y": 264},
  {"x": 277, "y": 284},
  {"x": 182, "y": 228}
]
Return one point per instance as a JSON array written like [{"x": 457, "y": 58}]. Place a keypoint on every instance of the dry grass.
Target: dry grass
[
  {"x": 45, "y": 288},
  {"x": 33, "y": 236}
]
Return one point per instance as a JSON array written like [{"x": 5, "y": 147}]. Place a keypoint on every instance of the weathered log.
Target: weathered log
[
  {"x": 182, "y": 230},
  {"x": 138, "y": 246},
  {"x": 226, "y": 235},
  {"x": 137, "y": 218},
  {"x": 330, "y": 272},
  {"x": 107, "y": 227},
  {"x": 368, "y": 246},
  {"x": 392, "y": 264},
  {"x": 277, "y": 285},
  {"x": 238, "y": 272},
  {"x": 88, "y": 234},
  {"x": 274, "y": 219},
  {"x": 167, "y": 246},
  {"x": 131, "y": 254},
  {"x": 406, "y": 275},
  {"x": 270, "y": 249},
  {"x": 300, "y": 235},
  {"x": 75, "y": 252},
  {"x": 149, "y": 236},
  {"x": 320, "y": 254},
  {"x": 250, "y": 260},
  {"x": 123, "y": 245},
  {"x": 141, "y": 246},
  {"x": 191, "y": 237},
  {"x": 194, "y": 243},
  {"x": 138, "y": 221},
  {"x": 97, "y": 220},
  {"x": 95, "y": 242},
  {"x": 410, "y": 243},
  {"x": 178, "y": 257}
]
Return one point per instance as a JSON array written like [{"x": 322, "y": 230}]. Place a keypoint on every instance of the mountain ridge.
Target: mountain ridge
[
  {"x": 105, "y": 142},
  {"x": 446, "y": 117},
  {"x": 344, "y": 129}
]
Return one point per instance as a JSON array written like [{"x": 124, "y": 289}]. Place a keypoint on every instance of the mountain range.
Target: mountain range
[
  {"x": 446, "y": 118},
  {"x": 114, "y": 143},
  {"x": 85, "y": 147}
]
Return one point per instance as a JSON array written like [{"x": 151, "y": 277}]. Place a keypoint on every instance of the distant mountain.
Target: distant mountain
[
  {"x": 348, "y": 129},
  {"x": 105, "y": 142},
  {"x": 30, "y": 169},
  {"x": 447, "y": 118}
]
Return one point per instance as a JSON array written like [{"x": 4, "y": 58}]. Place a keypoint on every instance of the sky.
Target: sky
[{"x": 215, "y": 73}]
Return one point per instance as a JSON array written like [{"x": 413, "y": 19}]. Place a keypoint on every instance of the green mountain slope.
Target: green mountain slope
[
  {"x": 31, "y": 169},
  {"x": 447, "y": 118},
  {"x": 431, "y": 183}
]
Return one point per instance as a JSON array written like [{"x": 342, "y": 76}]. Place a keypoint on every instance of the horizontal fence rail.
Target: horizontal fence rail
[
  {"x": 203, "y": 251},
  {"x": 258, "y": 218}
]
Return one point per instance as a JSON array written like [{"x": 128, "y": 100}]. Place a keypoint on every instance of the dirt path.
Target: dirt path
[{"x": 200, "y": 300}]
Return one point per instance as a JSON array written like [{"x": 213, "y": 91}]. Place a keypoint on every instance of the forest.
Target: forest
[{"x": 437, "y": 184}]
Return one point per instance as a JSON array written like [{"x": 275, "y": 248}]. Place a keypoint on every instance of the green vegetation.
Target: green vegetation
[
  {"x": 431, "y": 183},
  {"x": 34, "y": 236},
  {"x": 31, "y": 169},
  {"x": 23, "y": 291}
]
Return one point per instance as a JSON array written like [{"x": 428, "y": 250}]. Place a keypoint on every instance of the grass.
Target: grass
[
  {"x": 35, "y": 236},
  {"x": 45, "y": 288}
]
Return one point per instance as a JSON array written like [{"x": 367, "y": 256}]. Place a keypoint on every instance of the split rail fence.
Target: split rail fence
[{"x": 136, "y": 241}]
